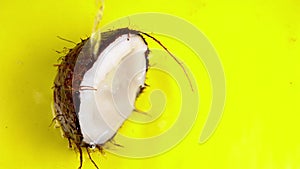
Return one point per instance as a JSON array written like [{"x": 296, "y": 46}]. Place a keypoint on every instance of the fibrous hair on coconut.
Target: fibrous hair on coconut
[{"x": 85, "y": 86}]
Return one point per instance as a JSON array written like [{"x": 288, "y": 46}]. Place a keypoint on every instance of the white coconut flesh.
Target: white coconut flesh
[{"x": 110, "y": 87}]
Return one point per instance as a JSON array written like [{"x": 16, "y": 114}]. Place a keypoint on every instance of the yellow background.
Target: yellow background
[{"x": 258, "y": 45}]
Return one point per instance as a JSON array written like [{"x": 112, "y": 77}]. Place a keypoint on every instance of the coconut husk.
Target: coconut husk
[{"x": 70, "y": 73}]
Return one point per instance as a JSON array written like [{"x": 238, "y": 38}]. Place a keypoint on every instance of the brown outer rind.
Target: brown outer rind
[{"x": 68, "y": 79}]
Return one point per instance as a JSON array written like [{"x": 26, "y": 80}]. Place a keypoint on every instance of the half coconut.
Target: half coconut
[{"x": 95, "y": 93}]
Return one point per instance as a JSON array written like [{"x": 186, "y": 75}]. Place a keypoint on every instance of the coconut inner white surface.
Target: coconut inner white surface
[{"x": 116, "y": 76}]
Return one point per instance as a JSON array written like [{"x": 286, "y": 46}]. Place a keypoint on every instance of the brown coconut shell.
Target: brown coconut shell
[
  {"x": 69, "y": 76},
  {"x": 70, "y": 73}
]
